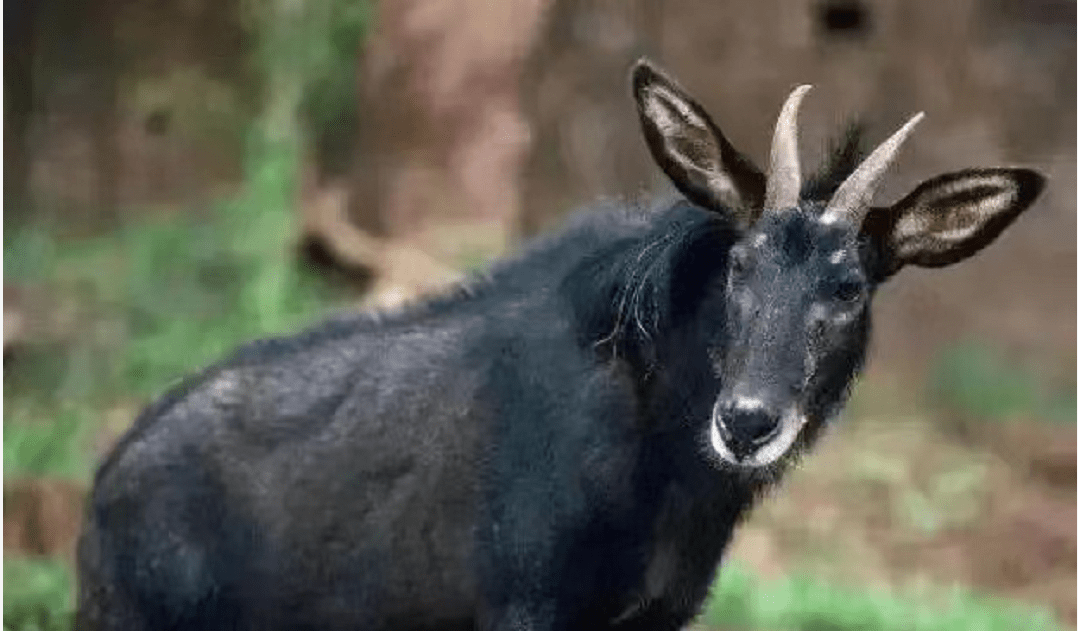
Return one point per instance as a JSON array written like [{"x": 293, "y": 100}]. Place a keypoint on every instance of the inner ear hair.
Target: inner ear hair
[
  {"x": 950, "y": 217},
  {"x": 692, "y": 151}
]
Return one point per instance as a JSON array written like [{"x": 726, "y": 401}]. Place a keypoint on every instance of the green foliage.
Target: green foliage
[
  {"x": 166, "y": 295},
  {"x": 310, "y": 48},
  {"x": 162, "y": 296},
  {"x": 38, "y": 595},
  {"x": 330, "y": 93},
  {"x": 170, "y": 294},
  {"x": 196, "y": 289},
  {"x": 975, "y": 380},
  {"x": 801, "y": 603},
  {"x": 28, "y": 253},
  {"x": 950, "y": 498},
  {"x": 43, "y": 442}
]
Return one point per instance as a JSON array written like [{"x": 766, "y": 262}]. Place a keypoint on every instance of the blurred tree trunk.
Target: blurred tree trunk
[
  {"x": 20, "y": 39},
  {"x": 106, "y": 116},
  {"x": 280, "y": 125},
  {"x": 577, "y": 94},
  {"x": 441, "y": 133},
  {"x": 280, "y": 25}
]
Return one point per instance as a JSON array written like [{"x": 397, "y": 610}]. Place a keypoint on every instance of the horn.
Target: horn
[
  {"x": 855, "y": 194},
  {"x": 784, "y": 174}
]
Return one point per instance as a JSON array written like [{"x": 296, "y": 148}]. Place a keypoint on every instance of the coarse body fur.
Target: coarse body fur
[
  {"x": 566, "y": 443},
  {"x": 537, "y": 434}
]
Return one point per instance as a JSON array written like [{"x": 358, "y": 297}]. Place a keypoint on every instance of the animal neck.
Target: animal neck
[{"x": 635, "y": 298}]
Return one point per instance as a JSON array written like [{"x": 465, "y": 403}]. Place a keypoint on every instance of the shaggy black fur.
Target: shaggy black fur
[{"x": 529, "y": 451}]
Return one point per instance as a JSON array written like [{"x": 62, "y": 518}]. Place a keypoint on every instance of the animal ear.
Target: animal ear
[
  {"x": 692, "y": 151},
  {"x": 949, "y": 218}
]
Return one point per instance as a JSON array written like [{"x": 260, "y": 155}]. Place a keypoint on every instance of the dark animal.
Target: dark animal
[{"x": 567, "y": 444}]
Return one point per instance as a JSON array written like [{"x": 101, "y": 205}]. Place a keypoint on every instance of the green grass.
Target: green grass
[
  {"x": 164, "y": 295},
  {"x": 802, "y": 603},
  {"x": 158, "y": 298},
  {"x": 46, "y": 443},
  {"x": 177, "y": 292},
  {"x": 194, "y": 292},
  {"x": 38, "y": 595},
  {"x": 976, "y": 380}
]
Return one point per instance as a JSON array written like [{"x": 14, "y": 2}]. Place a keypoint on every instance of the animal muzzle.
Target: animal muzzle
[{"x": 750, "y": 432}]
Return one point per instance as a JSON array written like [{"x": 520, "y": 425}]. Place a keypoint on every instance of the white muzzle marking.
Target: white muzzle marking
[{"x": 773, "y": 450}]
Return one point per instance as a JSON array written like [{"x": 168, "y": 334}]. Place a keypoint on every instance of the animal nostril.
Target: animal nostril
[
  {"x": 759, "y": 426},
  {"x": 745, "y": 429}
]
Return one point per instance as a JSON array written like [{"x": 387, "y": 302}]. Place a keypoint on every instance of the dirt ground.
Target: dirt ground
[
  {"x": 904, "y": 499},
  {"x": 895, "y": 500},
  {"x": 897, "y": 494}
]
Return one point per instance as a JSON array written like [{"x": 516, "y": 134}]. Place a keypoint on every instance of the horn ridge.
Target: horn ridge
[
  {"x": 855, "y": 194},
  {"x": 784, "y": 172}
]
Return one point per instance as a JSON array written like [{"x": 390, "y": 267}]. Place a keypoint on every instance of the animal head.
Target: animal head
[{"x": 806, "y": 260}]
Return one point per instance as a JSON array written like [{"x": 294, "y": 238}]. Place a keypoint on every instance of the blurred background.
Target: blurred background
[{"x": 184, "y": 175}]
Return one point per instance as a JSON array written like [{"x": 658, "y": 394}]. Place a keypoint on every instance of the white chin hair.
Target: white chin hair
[{"x": 769, "y": 453}]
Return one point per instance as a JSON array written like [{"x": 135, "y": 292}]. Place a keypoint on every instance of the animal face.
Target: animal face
[
  {"x": 797, "y": 299},
  {"x": 801, "y": 274}
]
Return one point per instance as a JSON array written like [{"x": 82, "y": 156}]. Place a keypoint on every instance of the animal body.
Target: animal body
[{"x": 568, "y": 443}]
